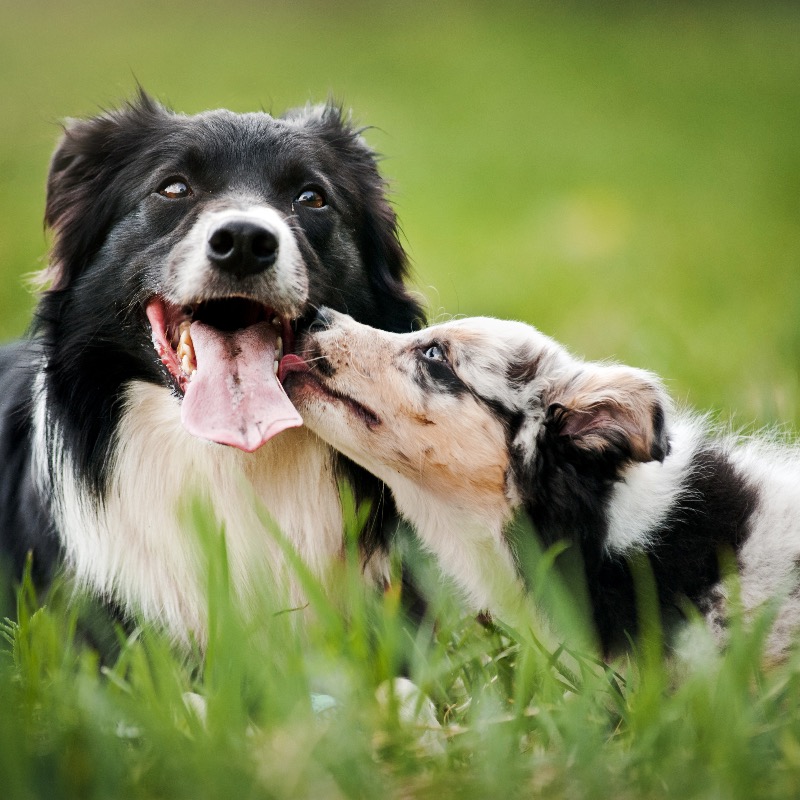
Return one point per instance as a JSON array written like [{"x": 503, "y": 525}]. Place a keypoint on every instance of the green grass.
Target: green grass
[
  {"x": 623, "y": 175},
  {"x": 520, "y": 718}
]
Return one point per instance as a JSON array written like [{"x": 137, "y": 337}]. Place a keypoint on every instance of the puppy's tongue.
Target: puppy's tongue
[{"x": 234, "y": 396}]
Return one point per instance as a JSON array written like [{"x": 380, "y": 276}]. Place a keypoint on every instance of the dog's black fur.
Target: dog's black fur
[{"x": 113, "y": 236}]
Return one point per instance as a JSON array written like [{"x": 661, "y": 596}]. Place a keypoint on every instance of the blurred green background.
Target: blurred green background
[{"x": 626, "y": 176}]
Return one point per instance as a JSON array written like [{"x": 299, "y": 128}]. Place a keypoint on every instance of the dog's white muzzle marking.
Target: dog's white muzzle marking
[{"x": 283, "y": 285}]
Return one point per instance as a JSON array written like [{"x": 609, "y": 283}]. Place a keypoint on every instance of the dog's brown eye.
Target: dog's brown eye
[
  {"x": 175, "y": 189},
  {"x": 434, "y": 353},
  {"x": 310, "y": 198}
]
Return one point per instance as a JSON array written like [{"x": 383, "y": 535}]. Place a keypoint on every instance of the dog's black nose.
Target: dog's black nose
[
  {"x": 242, "y": 247},
  {"x": 322, "y": 320}
]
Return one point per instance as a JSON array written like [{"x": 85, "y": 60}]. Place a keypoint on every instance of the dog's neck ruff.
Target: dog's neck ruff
[{"x": 135, "y": 544}]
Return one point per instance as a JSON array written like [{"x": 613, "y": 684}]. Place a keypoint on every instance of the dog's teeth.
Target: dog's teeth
[
  {"x": 185, "y": 349},
  {"x": 277, "y": 322},
  {"x": 275, "y": 365},
  {"x": 279, "y": 346}
]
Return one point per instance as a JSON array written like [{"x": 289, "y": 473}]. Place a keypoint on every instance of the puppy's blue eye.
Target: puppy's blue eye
[
  {"x": 175, "y": 189},
  {"x": 310, "y": 198},
  {"x": 436, "y": 374},
  {"x": 435, "y": 353}
]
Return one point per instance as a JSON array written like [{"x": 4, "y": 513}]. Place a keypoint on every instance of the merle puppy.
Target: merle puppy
[
  {"x": 188, "y": 253},
  {"x": 471, "y": 421}
]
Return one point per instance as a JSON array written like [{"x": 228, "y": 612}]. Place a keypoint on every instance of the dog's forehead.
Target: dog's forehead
[
  {"x": 253, "y": 140},
  {"x": 223, "y": 131}
]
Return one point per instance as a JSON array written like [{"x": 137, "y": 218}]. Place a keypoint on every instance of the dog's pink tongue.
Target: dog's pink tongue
[{"x": 234, "y": 396}]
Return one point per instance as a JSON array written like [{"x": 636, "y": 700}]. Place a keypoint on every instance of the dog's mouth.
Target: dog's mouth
[{"x": 224, "y": 357}]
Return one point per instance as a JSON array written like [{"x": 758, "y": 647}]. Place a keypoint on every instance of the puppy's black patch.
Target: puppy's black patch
[{"x": 568, "y": 500}]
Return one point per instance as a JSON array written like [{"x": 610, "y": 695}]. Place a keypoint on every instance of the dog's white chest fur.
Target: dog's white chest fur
[{"x": 138, "y": 546}]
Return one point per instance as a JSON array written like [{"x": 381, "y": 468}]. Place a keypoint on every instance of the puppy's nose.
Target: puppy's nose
[
  {"x": 322, "y": 320},
  {"x": 242, "y": 247}
]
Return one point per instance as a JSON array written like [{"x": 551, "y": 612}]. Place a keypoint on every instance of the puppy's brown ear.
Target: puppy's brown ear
[{"x": 612, "y": 413}]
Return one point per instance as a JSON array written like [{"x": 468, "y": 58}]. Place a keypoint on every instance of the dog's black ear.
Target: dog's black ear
[
  {"x": 610, "y": 413},
  {"x": 383, "y": 254},
  {"x": 81, "y": 196}
]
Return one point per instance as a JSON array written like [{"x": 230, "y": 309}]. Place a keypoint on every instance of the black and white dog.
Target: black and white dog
[
  {"x": 471, "y": 420},
  {"x": 188, "y": 253}
]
